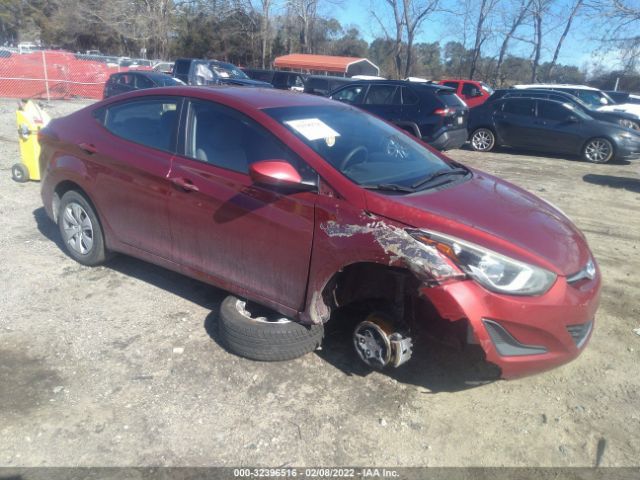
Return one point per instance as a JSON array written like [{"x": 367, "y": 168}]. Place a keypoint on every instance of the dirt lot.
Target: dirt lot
[{"x": 120, "y": 365}]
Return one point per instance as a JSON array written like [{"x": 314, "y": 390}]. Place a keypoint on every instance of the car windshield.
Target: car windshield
[
  {"x": 228, "y": 71},
  {"x": 362, "y": 147},
  {"x": 487, "y": 88},
  {"x": 167, "y": 81},
  {"x": 594, "y": 98}
]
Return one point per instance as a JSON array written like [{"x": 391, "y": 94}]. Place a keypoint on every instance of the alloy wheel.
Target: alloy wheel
[
  {"x": 482, "y": 140},
  {"x": 78, "y": 229},
  {"x": 598, "y": 151}
]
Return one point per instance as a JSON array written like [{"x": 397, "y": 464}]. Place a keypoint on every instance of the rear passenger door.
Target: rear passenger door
[
  {"x": 250, "y": 239},
  {"x": 133, "y": 156},
  {"x": 515, "y": 122},
  {"x": 384, "y": 101}
]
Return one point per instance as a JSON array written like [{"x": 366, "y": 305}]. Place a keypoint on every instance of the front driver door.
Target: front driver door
[
  {"x": 558, "y": 127},
  {"x": 250, "y": 238}
]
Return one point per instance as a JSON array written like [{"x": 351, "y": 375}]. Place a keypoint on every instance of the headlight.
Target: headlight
[
  {"x": 626, "y": 136},
  {"x": 625, "y": 122},
  {"x": 492, "y": 270}
]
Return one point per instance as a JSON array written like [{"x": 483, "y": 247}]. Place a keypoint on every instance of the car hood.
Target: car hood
[
  {"x": 622, "y": 107},
  {"x": 245, "y": 82},
  {"x": 495, "y": 214}
]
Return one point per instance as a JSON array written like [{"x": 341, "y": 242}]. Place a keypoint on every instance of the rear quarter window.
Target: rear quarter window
[
  {"x": 450, "y": 99},
  {"x": 150, "y": 121}
]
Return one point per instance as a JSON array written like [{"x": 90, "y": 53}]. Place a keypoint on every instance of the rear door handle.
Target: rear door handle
[
  {"x": 89, "y": 148},
  {"x": 185, "y": 184}
]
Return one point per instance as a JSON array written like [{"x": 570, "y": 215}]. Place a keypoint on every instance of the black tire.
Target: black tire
[
  {"x": 482, "y": 140},
  {"x": 265, "y": 338},
  {"x": 89, "y": 239},
  {"x": 598, "y": 150},
  {"x": 20, "y": 173}
]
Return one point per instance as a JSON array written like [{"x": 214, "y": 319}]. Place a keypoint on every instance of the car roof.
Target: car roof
[
  {"x": 405, "y": 83},
  {"x": 554, "y": 85},
  {"x": 257, "y": 98}
]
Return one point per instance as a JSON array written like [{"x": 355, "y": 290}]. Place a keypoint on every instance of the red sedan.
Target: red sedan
[{"x": 299, "y": 206}]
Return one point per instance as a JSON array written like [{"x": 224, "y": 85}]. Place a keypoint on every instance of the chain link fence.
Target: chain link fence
[{"x": 50, "y": 74}]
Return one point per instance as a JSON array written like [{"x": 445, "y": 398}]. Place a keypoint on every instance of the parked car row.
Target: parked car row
[
  {"x": 556, "y": 119},
  {"x": 569, "y": 119}
]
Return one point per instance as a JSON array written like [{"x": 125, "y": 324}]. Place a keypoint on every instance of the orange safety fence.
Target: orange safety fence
[{"x": 52, "y": 74}]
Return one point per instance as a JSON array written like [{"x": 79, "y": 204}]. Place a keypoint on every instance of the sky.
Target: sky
[{"x": 581, "y": 47}]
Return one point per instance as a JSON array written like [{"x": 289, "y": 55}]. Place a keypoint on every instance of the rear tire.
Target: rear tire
[
  {"x": 81, "y": 230},
  {"x": 20, "y": 173},
  {"x": 598, "y": 150},
  {"x": 483, "y": 140},
  {"x": 264, "y": 335}
]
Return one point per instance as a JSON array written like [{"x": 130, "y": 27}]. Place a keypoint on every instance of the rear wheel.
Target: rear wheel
[
  {"x": 20, "y": 173},
  {"x": 80, "y": 229},
  {"x": 255, "y": 332},
  {"x": 483, "y": 140},
  {"x": 598, "y": 150}
]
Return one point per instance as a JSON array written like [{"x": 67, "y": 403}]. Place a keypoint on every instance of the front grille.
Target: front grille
[{"x": 580, "y": 332}]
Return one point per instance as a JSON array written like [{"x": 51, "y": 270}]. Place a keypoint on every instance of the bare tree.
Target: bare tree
[
  {"x": 619, "y": 24},
  {"x": 572, "y": 14},
  {"x": 398, "y": 19},
  {"x": 408, "y": 16},
  {"x": 306, "y": 11},
  {"x": 481, "y": 35},
  {"x": 517, "y": 20},
  {"x": 539, "y": 9},
  {"x": 415, "y": 12}
]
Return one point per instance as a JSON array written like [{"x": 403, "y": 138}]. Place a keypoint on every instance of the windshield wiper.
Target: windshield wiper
[
  {"x": 438, "y": 174},
  {"x": 392, "y": 187}
]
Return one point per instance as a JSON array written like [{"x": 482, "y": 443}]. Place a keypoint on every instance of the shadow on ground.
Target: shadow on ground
[
  {"x": 436, "y": 366},
  {"x": 543, "y": 155},
  {"x": 625, "y": 183}
]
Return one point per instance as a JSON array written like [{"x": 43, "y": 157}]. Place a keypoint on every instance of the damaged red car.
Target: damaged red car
[{"x": 300, "y": 206}]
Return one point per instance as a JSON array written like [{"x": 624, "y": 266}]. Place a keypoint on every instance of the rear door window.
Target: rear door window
[
  {"x": 381, "y": 95},
  {"x": 353, "y": 94},
  {"x": 520, "y": 106},
  {"x": 453, "y": 85},
  {"x": 149, "y": 121}
]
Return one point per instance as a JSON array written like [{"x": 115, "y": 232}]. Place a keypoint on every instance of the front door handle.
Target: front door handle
[
  {"x": 89, "y": 148},
  {"x": 185, "y": 184}
]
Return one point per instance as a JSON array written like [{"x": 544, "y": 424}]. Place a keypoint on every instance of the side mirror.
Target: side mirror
[{"x": 277, "y": 173}]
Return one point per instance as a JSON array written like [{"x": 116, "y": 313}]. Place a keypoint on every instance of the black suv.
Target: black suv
[
  {"x": 193, "y": 71},
  {"x": 431, "y": 112},
  {"x": 124, "y": 82},
  {"x": 279, "y": 79},
  {"x": 323, "y": 84},
  {"x": 625, "y": 119}
]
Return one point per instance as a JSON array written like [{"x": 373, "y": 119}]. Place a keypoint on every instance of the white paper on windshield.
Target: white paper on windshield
[{"x": 312, "y": 128}]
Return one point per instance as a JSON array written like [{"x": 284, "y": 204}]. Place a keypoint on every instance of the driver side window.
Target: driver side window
[{"x": 228, "y": 139}]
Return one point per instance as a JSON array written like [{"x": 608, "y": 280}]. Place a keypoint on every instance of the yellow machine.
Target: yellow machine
[{"x": 30, "y": 119}]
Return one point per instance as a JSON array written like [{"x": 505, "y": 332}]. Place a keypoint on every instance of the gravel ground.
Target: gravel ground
[{"x": 120, "y": 365}]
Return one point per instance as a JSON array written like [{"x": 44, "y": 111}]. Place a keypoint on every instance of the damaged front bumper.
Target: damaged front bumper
[{"x": 523, "y": 335}]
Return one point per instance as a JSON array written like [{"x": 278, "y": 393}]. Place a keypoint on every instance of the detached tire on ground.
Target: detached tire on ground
[{"x": 255, "y": 332}]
